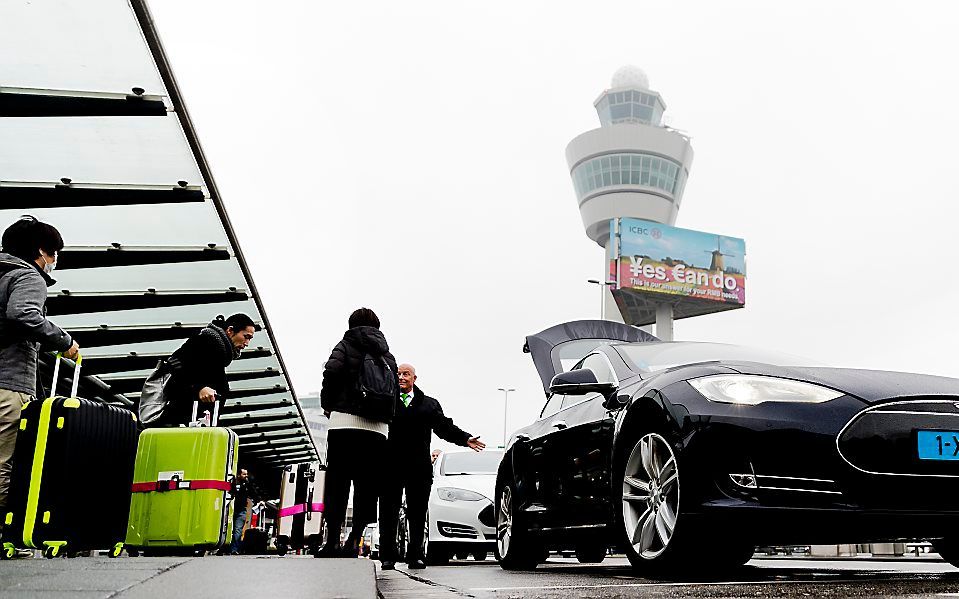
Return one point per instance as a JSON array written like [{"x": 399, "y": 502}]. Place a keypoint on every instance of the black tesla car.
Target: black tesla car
[{"x": 663, "y": 449}]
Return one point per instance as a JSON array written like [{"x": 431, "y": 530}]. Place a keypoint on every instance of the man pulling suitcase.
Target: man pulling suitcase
[{"x": 196, "y": 372}]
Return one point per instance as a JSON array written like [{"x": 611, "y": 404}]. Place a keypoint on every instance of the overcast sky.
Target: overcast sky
[{"x": 409, "y": 157}]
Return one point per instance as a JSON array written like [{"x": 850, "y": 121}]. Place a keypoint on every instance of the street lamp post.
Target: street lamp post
[
  {"x": 505, "y": 391},
  {"x": 602, "y": 295}
]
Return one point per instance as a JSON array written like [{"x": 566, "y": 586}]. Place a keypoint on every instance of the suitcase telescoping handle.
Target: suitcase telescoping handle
[
  {"x": 56, "y": 375},
  {"x": 216, "y": 411}
]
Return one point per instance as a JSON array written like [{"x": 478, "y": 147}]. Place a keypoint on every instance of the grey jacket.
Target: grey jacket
[{"x": 24, "y": 327}]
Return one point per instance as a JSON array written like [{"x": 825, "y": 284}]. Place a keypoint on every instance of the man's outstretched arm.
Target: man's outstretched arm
[{"x": 445, "y": 429}]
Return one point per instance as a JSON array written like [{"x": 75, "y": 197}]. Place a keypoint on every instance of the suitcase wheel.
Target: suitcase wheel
[
  {"x": 8, "y": 551},
  {"x": 117, "y": 550}
]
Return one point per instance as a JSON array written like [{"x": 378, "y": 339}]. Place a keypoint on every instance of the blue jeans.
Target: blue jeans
[{"x": 239, "y": 520}]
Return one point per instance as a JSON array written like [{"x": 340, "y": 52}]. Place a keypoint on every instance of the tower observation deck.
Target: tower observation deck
[{"x": 632, "y": 165}]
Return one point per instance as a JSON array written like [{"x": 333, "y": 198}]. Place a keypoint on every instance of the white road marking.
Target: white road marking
[{"x": 660, "y": 584}]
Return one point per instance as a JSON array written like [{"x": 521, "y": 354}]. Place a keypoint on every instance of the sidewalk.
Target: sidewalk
[{"x": 209, "y": 577}]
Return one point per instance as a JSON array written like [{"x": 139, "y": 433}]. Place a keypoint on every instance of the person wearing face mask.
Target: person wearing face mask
[
  {"x": 29, "y": 255},
  {"x": 198, "y": 368}
]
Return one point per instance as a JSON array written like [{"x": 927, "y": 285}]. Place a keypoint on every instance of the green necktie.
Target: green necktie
[{"x": 406, "y": 399}]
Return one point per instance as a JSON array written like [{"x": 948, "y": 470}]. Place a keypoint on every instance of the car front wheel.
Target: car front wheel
[
  {"x": 651, "y": 502},
  {"x": 515, "y": 549}
]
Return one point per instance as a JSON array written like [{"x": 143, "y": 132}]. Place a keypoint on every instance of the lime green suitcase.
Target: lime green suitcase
[{"x": 181, "y": 501}]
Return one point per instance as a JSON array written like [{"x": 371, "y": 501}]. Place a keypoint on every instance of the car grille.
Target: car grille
[
  {"x": 883, "y": 439},
  {"x": 456, "y": 531},
  {"x": 487, "y": 517}
]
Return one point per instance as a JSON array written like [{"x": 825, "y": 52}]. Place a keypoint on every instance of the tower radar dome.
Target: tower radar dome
[{"x": 630, "y": 76}]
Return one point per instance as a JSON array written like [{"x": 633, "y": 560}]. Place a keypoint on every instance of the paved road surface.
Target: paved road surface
[
  {"x": 781, "y": 577},
  {"x": 185, "y": 578}
]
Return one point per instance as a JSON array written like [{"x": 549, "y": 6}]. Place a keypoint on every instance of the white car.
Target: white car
[
  {"x": 371, "y": 541},
  {"x": 461, "y": 521}
]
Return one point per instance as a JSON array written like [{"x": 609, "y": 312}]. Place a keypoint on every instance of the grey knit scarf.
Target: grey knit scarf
[{"x": 223, "y": 341}]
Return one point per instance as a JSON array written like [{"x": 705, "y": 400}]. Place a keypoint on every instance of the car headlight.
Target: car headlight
[
  {"x": 451, "y": 494},
  {"x": 751, "y": 390}
]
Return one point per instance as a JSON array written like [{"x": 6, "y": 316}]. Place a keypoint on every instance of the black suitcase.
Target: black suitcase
[
  {"x": 255, "y": 542},
  {"x": 72, "y": 474}
]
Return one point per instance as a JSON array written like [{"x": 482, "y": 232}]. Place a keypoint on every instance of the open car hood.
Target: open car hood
[{"x": 553, "y": 347}]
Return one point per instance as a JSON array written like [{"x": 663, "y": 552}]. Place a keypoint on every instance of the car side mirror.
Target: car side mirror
[
  {"x": 579, "y": 382},
  {"x": 615, "y": 402}
]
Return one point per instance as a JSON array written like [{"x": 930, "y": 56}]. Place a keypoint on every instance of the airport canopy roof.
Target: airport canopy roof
[{"x": 103, "y": 148}]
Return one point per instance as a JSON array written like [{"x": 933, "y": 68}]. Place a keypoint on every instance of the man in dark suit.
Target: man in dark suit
[{"x": 410, "y": 466}]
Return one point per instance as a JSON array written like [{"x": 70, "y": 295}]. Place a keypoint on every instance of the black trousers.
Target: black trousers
[
  {"x": 417, "y": 487},
  {"x": 352, "y": 456}
]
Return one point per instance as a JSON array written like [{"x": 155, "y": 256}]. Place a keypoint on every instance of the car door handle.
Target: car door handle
[{"x": 560, "y": 424}]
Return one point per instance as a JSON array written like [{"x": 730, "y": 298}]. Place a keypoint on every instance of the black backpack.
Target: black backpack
[{"x": 377, "y": 388}]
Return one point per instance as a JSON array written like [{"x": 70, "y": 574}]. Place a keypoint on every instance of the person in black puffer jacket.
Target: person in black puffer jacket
[
  {"x": 359, "y": 394},
  {"x": 199, "y": 368}
]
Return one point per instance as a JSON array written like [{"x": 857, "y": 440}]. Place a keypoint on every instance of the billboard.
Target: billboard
[{"x": 656, "y": 258}]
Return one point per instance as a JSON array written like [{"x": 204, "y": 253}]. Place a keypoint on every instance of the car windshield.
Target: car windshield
[
  {"x": 485, "y": 462},
  {"x": 652, "y": 357},
  {"x": 571, "y": 352}
]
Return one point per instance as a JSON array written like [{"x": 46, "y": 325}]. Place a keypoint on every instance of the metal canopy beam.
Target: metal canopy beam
[
  {"x": 230, "y": 420},
  {"x": 136, "y": 361},
  {"x": 117, "y": 255},
  {"x": 105, "y": 335},
  {"x": 46, "y": 103},
  {"x": 50, "y": 195},
  {"x": 70, "y": 302},
  {"x": 284, "y": 441},
  {"x": 255, "y": 441},
  {"x": 257, "y": 392},
  {"x": 249, "y": 431},
  {"x": 249, "y": 375},
  {"x": 280, "y": 462},
  {"x": 228, "y": 410},
  {"x": 291, "y": 449},
  {"x": 287, "y": 458},
  {"x": 296, "y": 452},
  {"x": 132, "y": 384}
]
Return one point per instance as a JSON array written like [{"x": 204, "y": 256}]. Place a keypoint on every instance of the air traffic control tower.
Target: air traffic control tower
[{"x": 631, "y": 166}]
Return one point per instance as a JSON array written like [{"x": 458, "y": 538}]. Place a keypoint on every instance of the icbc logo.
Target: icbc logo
[{"x": 657, "y": 234}]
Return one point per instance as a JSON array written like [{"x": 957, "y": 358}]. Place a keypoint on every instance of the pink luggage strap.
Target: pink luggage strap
[
  {"x": 176, "y": 484},
  {"x": 300, "y": 508}
]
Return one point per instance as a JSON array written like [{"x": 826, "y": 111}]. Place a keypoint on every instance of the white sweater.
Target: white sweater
[{"x": 341, "y": 420}]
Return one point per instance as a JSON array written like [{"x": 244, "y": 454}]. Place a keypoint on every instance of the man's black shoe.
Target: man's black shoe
[
  {"x": 416, "y": 564},
  {"x": 388, "y": 565},
  {"x": 331, "y": 549}
]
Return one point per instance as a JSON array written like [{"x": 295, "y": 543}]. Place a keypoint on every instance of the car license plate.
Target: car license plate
[{"x": 938, "y": 445}]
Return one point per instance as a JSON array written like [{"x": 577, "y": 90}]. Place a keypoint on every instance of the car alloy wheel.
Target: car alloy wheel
[
  {"x": 504, "y": 521},
  {"x": 650, "y": 496},
  {"x": 516, "y": 548}
]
